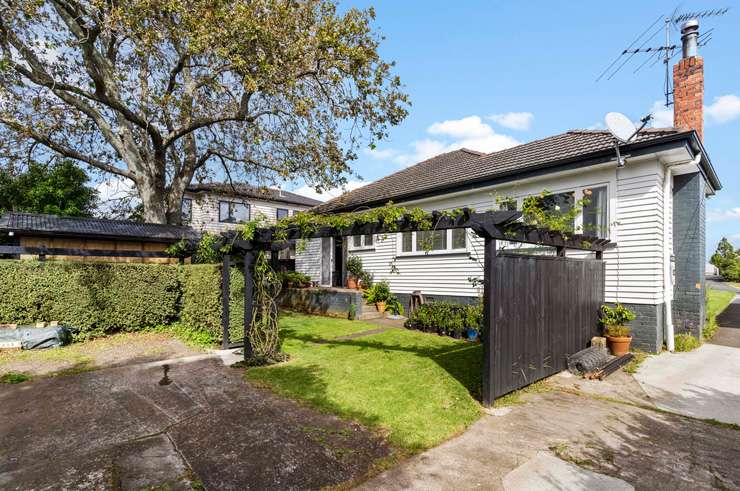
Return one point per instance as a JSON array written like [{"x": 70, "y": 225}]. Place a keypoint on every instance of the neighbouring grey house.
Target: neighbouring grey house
[
  {"x": 652, "y": 208},
  {"x": 218, "y": 207}
]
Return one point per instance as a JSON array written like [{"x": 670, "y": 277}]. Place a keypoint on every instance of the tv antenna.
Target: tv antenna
[
  {"x": 623, "y": 130},
  {"x": 665, "y": 53}
]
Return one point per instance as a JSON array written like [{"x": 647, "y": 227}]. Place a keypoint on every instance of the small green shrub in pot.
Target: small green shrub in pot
[
  {"x": 354, "y": 270},
  {"x": 618, "y": 336},
  {"x": 379, "y": 294}
]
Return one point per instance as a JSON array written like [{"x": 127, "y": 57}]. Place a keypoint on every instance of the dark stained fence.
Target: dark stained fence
[{"x": 544, "y": 308}]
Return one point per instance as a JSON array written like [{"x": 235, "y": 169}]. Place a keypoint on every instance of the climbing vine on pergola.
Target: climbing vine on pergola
[{"x": 254, "y": 242}]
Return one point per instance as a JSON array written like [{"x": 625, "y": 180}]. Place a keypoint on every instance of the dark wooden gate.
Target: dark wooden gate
[{"x": 544, "y": 308}]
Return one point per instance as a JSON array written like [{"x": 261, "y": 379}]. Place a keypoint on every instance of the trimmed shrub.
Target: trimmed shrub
[
  {"x": 96, "y": 298},
  {"x": 446, "y": 318},
  {"x": 685, "y": 342},
  {"x": 201, "y": 298}
]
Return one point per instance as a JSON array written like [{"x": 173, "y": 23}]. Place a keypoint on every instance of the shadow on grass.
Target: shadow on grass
[
  {"x": 305, "y": 382},
  {"x": 462, "y": 360}
]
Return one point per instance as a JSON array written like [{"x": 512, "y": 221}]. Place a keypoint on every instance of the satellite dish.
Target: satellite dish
[{"x": 620, "y": 126}]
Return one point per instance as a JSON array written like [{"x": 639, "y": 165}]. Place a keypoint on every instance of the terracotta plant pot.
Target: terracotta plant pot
[
  {"x": 380, "y": 306},
  {"x": 352, "y": 282},
  {"x": 619, "y": 345}
]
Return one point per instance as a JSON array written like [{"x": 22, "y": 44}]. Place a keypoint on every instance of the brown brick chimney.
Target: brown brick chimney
[{"x": 688, "y": 83}]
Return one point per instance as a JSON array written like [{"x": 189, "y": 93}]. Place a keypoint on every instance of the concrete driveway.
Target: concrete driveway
[
  {"x": 704, "y": 383},
  {"x": 189, "y": 423},
  {"x": 582, "y": 435}
]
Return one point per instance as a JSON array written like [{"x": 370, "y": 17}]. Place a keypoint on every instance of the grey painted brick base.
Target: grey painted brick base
[
  {"x": 405, "y": 299},
  {"x": 689, "y": 217},
  {"x": 647, "y": 328}
]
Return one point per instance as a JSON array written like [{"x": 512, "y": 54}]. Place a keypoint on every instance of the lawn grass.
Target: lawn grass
[
  {"x": 717, "y": 301},
  {"x": 414, "y": 387}
]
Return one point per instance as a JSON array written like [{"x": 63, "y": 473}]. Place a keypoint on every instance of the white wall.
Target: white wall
[
  {"x": 634, "y": 268},
  {"x": 205, "y": 210}
]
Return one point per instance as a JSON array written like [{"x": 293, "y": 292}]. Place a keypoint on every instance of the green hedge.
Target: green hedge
[
  {"x": 97, "y": 298},
  {"x": 201, "y": 298}
]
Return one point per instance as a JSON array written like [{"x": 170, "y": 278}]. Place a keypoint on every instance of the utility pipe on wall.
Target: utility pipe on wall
[{"x": 668, "y": 252}]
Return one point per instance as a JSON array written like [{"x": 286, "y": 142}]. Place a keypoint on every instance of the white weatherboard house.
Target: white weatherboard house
[{"x": 652, "y": 208}]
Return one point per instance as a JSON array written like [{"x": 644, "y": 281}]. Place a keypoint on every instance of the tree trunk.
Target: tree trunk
[{"x": 153, "y": 199}]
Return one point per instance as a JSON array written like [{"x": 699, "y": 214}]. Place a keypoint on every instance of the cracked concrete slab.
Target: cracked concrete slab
[
  {"x": 703, "y": 383},
  {"x": 168, "y": 423},
  {"x": 547, "y": 473}
]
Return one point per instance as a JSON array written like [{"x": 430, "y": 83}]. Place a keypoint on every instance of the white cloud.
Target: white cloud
[
  {"x": 724, "y": 108},
  {"x": 378, "y": 154},
  {"x": 469, "y": 132},
  {"x": 662, "y": 116},
  {"x": 717, "y": 215},
  {"x": 310, "y": 192},
  {"x": 514, "y": 120}
]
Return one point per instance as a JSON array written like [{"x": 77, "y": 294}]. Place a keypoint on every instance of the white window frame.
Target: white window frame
[
  {"x": 419, "y": 251},
  {"x": 578, "y": 195},
  {"x": 232, "y": 202},
  {"x": 287, "y": 212},
  {"x": 362, "y": 247}
]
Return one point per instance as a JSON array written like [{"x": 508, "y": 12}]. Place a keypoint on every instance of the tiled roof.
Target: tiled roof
[
  {"x": 249, "y": 191},
  {"x": 461, "y": 167},
  {"x": 93, "y": 227}
]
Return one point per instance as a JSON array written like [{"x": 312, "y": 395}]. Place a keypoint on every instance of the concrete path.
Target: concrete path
[
  {"x": 704, "y": 383},
  {"x": 642, "y": 447},
  {"x": 545, "y": 473},
  {"x": 188, "y": 423}
]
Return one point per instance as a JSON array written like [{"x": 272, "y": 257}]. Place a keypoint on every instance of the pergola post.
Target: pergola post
[
  {"x": 225, "y": 341},
  {"x": 248, "y": 302},
  {"x": 489, "y": 319}
]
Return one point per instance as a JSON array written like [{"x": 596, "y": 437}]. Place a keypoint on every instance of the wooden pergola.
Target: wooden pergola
[{"x": 490, "y": 226}]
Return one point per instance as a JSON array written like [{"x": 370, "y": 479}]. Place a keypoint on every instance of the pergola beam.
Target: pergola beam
[{"x": 500, "y": 225}]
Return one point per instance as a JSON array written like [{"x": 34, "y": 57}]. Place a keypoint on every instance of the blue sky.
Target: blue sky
[{"x": 468, "y": 65}]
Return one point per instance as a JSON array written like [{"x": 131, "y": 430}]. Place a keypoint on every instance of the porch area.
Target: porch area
[{"x": 328, "y": 301}]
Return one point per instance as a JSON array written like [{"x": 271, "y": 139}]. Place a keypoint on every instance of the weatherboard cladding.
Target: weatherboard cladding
[
  {"x": 87, "y": 227},
  {"x": 634, "y": 268},
  {"x": 461, "y": 167}
]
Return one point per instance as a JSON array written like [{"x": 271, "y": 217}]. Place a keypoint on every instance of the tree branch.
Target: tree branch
[{"x": 62, "y": 149}]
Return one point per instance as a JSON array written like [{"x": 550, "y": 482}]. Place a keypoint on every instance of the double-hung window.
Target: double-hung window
[
  {"x": 233, "y": 212},
  {"x": 594, "y": 217},
  {"x": 595, "y": 212},
  {"x": 281, "y": 213},
  {"x": 362, "y": 242},
  {"x": 431, "y": 241}
]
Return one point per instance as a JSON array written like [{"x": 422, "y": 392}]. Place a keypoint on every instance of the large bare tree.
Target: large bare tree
[{"x": 162, "y": 91}]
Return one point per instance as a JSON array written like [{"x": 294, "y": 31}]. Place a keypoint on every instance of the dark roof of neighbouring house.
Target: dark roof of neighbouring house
[
  {"x": 243, "y": 190},
  {"x": 460, "y": 169},
  {"x": 39, "y": 224}
]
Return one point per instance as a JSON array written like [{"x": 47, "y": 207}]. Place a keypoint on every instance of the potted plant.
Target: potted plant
[
  {"x": 354, "y": 268},
  {"x": 379, "y": 294},
  {"x": 618, "y": 336},
  {"x": 365, "y": 280}
]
